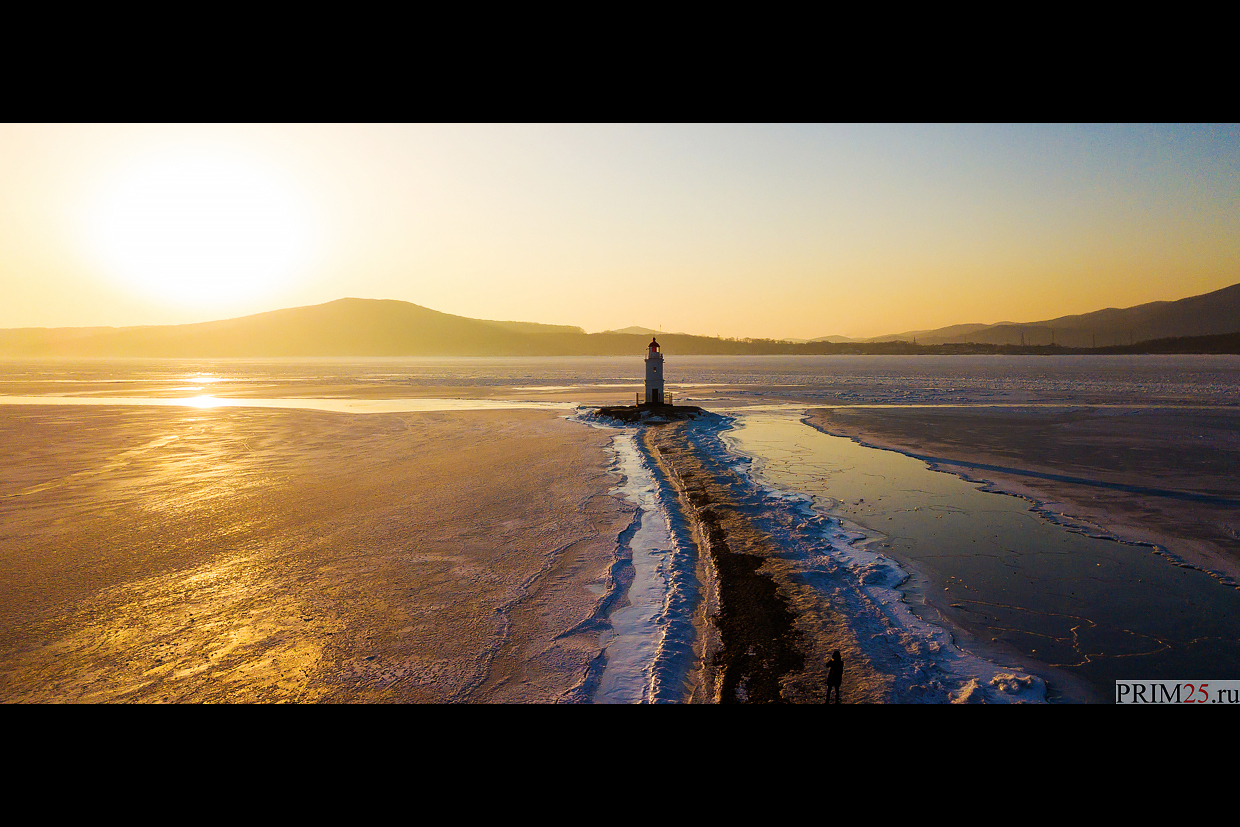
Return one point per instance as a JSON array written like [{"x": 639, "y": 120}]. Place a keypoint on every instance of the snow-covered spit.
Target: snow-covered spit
[
  {"x": 650, "y": 645},
  {"x": 648, "y": 641},
  {"x": 843, "y": 567}
]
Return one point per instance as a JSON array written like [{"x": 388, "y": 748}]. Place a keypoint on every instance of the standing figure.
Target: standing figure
[{"x": 835, "y": 675}]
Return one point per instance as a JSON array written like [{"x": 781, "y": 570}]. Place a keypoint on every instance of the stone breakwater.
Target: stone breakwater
[
  {"x": 652, "y": 414},
  {"x": 763, "y": 637}
]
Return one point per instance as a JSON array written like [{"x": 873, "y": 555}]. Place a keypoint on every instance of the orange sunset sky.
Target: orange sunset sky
[{"x": 758, "y": 230}]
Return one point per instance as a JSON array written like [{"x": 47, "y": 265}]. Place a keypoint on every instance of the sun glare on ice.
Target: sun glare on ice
[
  {"x": 199, "y": 228},
  {"x": 206, "y": 401}
]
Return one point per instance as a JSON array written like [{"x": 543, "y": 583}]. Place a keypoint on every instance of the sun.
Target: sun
[{"x": 199, "y": 228}]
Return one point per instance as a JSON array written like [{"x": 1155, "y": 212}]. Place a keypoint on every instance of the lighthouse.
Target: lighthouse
[
  {"x": 654, "y": 374},
  {"x": 657, "y": 408}
]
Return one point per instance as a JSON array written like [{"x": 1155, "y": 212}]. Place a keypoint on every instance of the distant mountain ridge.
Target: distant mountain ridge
[
  {"x": 1209, "y": 314},
  {"x": 637, "y": 330},
  {"x": 908, "y": 335},
  {"x": 386, "y": 327},
  {"x": 345, "y": 327}
]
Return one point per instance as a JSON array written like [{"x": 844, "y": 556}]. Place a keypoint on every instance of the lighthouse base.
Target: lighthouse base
[{"x": 652, "y": 413}]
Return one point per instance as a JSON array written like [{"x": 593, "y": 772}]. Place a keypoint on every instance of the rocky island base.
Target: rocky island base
[{"x": 652, "y": 413}]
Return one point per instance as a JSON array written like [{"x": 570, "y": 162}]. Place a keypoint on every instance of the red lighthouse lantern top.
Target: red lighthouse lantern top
[{"x": 654, "y": 346}]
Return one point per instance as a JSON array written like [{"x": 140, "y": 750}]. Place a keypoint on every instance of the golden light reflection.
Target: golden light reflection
[{"x": 206, "y": 401}]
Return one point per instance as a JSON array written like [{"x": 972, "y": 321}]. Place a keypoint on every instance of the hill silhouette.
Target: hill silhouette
[
  {"x": 345, "y": 327},
  {"x": 1210, "y": 314},
  {"x": 386, "y": 327}
]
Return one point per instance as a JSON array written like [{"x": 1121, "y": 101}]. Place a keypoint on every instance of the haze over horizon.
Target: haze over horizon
[{"x": 741, "y": 231}]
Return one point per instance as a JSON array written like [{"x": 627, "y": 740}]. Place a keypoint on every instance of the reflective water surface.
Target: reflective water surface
[
  {"x": 1202, "y": 380},
  {"x": 1016, "y": 588},
  {"x": 305, "y": 404},
  {"x": 1012, "y": 582}
]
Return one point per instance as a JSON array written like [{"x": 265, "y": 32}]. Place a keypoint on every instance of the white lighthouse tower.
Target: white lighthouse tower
[{"x": 654, "y": 374}]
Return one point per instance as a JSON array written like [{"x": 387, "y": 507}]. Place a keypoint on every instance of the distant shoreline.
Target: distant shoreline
[
  {"x": 15, "y": 347},
  {"x": 367, "y": 328}
]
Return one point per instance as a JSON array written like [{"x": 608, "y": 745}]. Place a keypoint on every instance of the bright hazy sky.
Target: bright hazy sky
[{"x": 763, "y": 231}]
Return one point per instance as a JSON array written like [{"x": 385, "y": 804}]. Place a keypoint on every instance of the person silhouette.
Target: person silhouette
[{"x": 835, "y": 675}]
